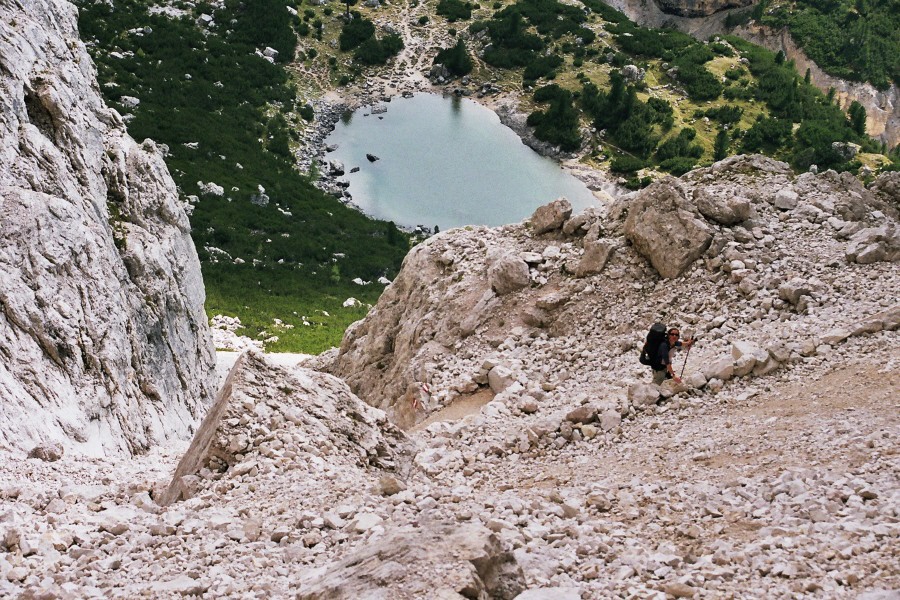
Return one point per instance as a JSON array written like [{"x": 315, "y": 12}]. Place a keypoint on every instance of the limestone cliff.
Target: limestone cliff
[
  {"x": 699, "y": 8},
  {"x": 104, "y": 342}
]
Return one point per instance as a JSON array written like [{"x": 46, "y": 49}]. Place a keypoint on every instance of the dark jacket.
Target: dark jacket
[{"x": 662, "y": 355}]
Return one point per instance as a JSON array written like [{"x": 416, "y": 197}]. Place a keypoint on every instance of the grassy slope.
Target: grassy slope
[{"x": 226, "y": 115}]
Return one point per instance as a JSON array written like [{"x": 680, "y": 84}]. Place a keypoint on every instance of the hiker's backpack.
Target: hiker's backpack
[{"x": 650, "y": 351}]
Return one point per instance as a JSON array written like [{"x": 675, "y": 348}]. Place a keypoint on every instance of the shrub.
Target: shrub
[
  {"x": 454, "y": 10},
  {"x": 542, "y": 66},
  {"x": 720, "y": 148},
  {"x": 626, "y": 164},
  {"x": 699, "y": 83},
  {"x": 721, "y": 49},
  {"x": 767, "y": 134},
  {"x": 678, "y": 165},
  {"x": 679, "y": 146},
  {"x": 559, "y": 124},
  {"x": 377, "y": 52},
  {"x": 726, "y": 115},
  {"x": 456, "y": 59},
  {"x": 354, "y": 33}
]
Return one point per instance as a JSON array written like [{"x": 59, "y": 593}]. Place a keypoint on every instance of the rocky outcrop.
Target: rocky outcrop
[
  {"x": 724, "y": 231},
  {"x": 261, "y": 404},
  {"x": 104, "y": 339},
  {"x": 525, "y": 395},
  {"x": 699, "y": 8},
  {"x": 436, "y": 561}
]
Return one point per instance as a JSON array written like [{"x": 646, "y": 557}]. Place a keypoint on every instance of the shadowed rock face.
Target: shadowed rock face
[
  {"x": 699, "y": 8},
  {"x": 104, "y": 340}
]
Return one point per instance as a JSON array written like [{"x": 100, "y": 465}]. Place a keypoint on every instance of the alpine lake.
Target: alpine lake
[{"x": 445, "y": 162}]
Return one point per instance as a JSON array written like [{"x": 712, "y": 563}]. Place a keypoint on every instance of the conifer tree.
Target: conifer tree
[
  {"x": 720, "y": 150},
  {"x": 857, "y": 115}
]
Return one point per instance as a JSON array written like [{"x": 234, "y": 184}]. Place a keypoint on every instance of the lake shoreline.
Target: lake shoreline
[
  {"x": 443, "y": 160},
  {"x": 330, "y": 107}
]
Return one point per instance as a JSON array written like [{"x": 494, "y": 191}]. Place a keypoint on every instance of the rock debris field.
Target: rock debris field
[{"x": 771, "y": 472}]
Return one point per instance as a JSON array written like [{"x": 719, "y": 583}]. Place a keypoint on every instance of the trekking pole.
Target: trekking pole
[{"x": 686, "y": 355}]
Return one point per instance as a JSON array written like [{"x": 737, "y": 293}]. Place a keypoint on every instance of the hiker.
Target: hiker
[{"x": 665, "y": 354}]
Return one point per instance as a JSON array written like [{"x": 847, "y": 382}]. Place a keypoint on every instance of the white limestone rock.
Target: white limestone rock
[
  {"x": 101, "y": 287},
  {"x": 551, "y": 216},
  {"x": 664, "y": 227}
]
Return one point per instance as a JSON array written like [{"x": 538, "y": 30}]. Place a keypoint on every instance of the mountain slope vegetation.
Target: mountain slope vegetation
[
  {"x": 659, "y": 98},
  {"x": 272, "y": 245},
  {"x": 226, "y": 88},
  {"x": 858, "y": 40}
]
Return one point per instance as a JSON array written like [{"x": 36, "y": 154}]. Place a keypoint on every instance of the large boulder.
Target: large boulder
[
  {"x": 105, "y": 341},
  {"x": 665, "y": 228},
  {"x": 596, "y": 255},
  {"x": 551, "y": 217},
  {"x": 727, "y": 210},
  {"x": 887, "y": 186},
  {"x": 432, "y": 561},
  {"x": 875, "y": 244},
  {"x": 508, "y": 273}
]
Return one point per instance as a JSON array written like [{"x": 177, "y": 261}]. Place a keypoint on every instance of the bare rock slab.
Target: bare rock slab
[{"x": 437, "y": 561}]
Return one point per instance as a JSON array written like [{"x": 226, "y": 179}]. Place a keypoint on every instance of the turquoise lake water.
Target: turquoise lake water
[{"x": 448, "y": 162}]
